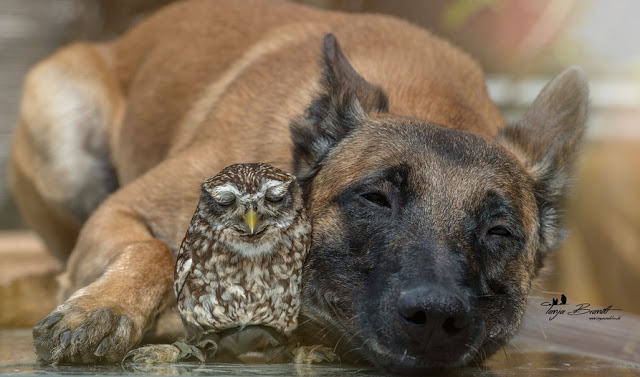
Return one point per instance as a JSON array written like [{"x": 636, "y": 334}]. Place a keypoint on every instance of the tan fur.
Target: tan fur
[{"x": 166, "y": 105}]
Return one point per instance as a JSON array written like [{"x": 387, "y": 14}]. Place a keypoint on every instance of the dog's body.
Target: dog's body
[{"x": 114, "y": 140}]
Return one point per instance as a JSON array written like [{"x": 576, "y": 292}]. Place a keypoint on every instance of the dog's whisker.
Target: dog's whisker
[
  {"x": 350, "y": 338},
  {"x": 357, "y": 361},
  {"x": 338, "y": 342},
  {"x": 517, "y": 348},
  {"x": 476, "y": 352},
  {"x": 476, "y": 362},
  {"x": 304, "y": 322},
  {"x": 352, "y": 350},
  {"x": 472, "y": 347},
  {"x": 325, "y": 328},
  {"x": 354, "y": 335},
  {"x": 506, "y": 355}
]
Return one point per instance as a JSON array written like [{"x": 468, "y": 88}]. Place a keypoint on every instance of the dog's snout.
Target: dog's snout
[{"x": 434, "y": 318}]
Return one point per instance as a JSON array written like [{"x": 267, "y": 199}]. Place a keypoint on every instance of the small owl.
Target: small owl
[{"x": 240, "y": 262}]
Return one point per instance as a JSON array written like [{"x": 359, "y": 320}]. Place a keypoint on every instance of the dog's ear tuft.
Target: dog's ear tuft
[
  {"x": 547, "y": 141},
  {"x": 345, "y": 100}
]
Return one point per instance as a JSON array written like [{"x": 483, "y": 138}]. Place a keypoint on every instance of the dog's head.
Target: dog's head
[{"x": 426, "y": 238}]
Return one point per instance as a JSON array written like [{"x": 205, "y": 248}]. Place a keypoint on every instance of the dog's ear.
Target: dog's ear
[
  {"x": 344, "y": 101},
  {"x": 547, "y": 141}
]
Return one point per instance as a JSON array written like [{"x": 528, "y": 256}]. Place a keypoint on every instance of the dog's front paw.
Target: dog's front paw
[
  {"x": 314, "y": 355},
  {"x": 77, "y": 333}
]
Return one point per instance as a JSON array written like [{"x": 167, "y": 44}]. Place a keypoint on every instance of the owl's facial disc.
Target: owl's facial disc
[
  {"x": 254, "y": 214},
  {"x": 263, "y": 210}
]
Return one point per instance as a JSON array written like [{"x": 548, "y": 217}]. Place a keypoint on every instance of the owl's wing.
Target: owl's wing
[{"x": 183, "y": 269}]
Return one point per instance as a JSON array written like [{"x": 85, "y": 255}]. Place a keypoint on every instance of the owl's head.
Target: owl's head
[{"x": 250, "y": 205}]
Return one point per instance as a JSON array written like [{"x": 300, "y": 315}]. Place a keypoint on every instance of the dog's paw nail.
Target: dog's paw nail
[
  {"x": 78, "y": 336},
  {"x": 39, "y": 331},
  {"x": 65, "y": 338},
  {"x": 103, "y": 348},
  {"x": 49, "y": 321}
]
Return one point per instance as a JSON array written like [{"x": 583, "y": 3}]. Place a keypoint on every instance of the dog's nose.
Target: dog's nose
[{"x": 434, "y": 318}]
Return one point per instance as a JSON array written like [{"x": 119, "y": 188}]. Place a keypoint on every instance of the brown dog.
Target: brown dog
[{"x": 430, "y": 218}]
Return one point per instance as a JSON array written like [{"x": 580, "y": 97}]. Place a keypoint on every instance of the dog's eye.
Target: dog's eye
[
  {"x": 499, "y": 230},
  {"x": 377, "y": 199}
]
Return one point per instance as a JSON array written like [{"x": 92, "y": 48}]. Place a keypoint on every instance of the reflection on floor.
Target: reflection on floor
[{"x": 518, "y": 359}]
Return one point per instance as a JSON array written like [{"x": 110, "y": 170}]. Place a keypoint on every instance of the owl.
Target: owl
[
  {"x": 240, "y": 265},
  {"x": 241, "y": 260}
]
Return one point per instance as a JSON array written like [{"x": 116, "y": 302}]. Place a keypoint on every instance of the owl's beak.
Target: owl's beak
[{"x": 251, "y": 217}]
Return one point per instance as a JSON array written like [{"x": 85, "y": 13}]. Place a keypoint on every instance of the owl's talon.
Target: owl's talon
[
  {"x": 279, "y": 353},
  {"x": 320, "y": 356},
  {"x": 154, "y": 354},
  {"x": 172, "y": 353},
  {"x": 314, "y": 355},
  {"x": 208, "y": 346},
  {"x": 201, "y": 350}
]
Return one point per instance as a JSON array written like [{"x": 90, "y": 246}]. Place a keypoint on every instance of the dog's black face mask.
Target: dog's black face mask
[
  {"x": 426, "y": 238},
  {"x": 423, "y": 254}
]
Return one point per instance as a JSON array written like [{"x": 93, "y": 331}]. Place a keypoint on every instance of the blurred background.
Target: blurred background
[{"x": 521, "y": 44}]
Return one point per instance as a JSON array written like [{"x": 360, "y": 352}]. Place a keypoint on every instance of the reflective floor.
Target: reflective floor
[{"x": 518, "y": 359}]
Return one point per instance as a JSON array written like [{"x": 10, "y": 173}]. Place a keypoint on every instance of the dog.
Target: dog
[{"x": 430, "y": 216}]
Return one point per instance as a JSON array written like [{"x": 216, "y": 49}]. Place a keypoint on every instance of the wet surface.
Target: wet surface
[{"x": 518, "y": 359}]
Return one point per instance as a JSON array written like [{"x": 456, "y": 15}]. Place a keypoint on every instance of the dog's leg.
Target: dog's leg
[
  {"x": 121, "y": 268},
  {"x": 59, "y": 168},
  {"x": 126, "y": 277},
  {"x": 60, "y": 171},
  {"x": 119, "y": 273}
]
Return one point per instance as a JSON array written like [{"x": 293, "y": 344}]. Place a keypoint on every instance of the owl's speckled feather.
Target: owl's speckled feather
[{"x": 228, "y": 275}]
